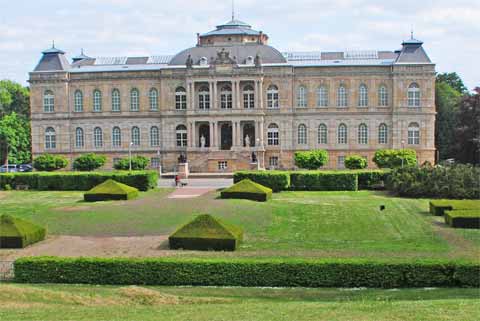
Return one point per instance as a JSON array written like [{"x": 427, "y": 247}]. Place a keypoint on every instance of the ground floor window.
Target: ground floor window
[
  {"x": 341, "y": 162},
  {"x": 116, "y": 160},
  {"x": 273, "y": 162},
  {"x": 222, "y": 165},
  {"x": 155, "y": 162}
]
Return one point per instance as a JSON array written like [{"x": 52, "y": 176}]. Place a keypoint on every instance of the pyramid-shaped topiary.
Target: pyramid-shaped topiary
[
  {"x": 18, "y": 233},
  {"x": 206, "y": 232},
  {"x": 247, "y": 189},
  {"x": 110, "y": 190}
]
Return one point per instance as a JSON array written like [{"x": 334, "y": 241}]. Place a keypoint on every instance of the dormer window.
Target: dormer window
[
  {"x": 250, "y": 60},
  {"x": 203, "y": 61}
]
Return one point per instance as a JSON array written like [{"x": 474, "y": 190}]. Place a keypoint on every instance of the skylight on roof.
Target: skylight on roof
[
  {"x": 301, "y": 56},
  {"x": 159, "y": 60},
  {"x": 111, "y": 61},
  {"x": 361, "y": 54}
]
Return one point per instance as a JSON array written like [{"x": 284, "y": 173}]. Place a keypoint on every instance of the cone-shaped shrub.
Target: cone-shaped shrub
[
  {"x": 247, "y": 189},
  {"x": 110, "y": 190},
  {"x": 18, "y": 233}
]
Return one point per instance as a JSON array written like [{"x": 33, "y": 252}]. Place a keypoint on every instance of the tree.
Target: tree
[
  {"x": 14, "y": 98},
  {"x": 138, "y": 163},
  {"x": 467, "y": 130},
  {"x": 453, "y": 80},
  {"x": 311, "y": 159},
  {"x": 446, "y": 101},
  {"x": 14, "y": 139},
  {"x": 89, "y": 162},
  {"x": 355, "y": 162},
  {"x": 393, "y": 158},
  {"x": 48, "y": 162}
]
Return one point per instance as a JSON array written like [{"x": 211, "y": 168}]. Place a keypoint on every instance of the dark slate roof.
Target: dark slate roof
[
  {"x": 413, "y": 52},
  {"x": 233, "y": 27},
  {"x": 53, "y": 59},
  {"x": 267, "y": 54}
]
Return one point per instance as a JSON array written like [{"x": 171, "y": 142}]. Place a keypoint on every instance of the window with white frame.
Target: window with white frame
[
  {"x": 248, "y": 97},
  {"x": 97, "y": 100},
  {"x": 341, "y": 162},
  {"x": 362, "y": 96},
  {"x": 272, "y": 97},
  {"x": 135, "y": 136},
  {"x": 342, "y": 134},
  {"x": 48, "y": 101},
  {"x": 322, "y": 96},
  {"x": 363, "y": 134},
  {"x": 302, "y": 96},
  {"x": 302, "y": 134},
  {"x": 272, "y": 135},
  {"x": 134, "y": 100},
  {"x": 382, "y": 134},
  {"x": 50, "y": 138},
  {"x": 222, "y": 165},
  {"x": 154, "y": 136},
  {"x": 153, "y": 97},
  {"x": 413, "y": 95},
  {"x": 116, "y": 137},
  {"x": 413, "y": 134},
  {"x": 97, "y": 137},
  {"x": 180, "y": 98},
  {"x": 155, "y": 162},
  {"x": 78, "y": 101},
  {"x": 115, "y": 100},
  {"x": 382, "y": 96},
  {"x": 181, "y": 136},
  {"x": 226, "y": 97},
  {"x": 322, "y": 134},
  {"x": 204, "y": 98},
  {"x": 273, "y": 161},
  {"x": 342, "y": 99},
  {"x": 79, "y": 138}
]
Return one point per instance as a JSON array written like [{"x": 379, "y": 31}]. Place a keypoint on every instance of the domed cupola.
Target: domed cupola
[{"x": 232, "y": 32}]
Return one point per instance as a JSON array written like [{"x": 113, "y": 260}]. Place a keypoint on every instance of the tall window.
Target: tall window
[
  {"x": 363, "y": 134},
  {"x": 413, "y": 134},
  {"x": 48, "y": 101},
  {"x": 134, "y": 100},
  {"x": 153, "y": 97},
  {"x": 413, "y": 95},
  {"x": 382, "y": 134},
  {"x": 78, "y": 101},
  {"x": 362, "y": 96},
  {"x": 180, "y": 98},
  {"x": 181, "y": 133},
  {"x": 97, "y": 137},
  {"x": 116, "y": 137},
  {"x": 302, "y": 96},
  {"x": 272, "y": 135},
  {"x": 248, "y": 97},
  {"x": 342, "y": 99},
  {"x": 154, "y": 136},
  {"x": 97, "y": 100},
  {"x": 204, "y": 98},
  {"x": 342, "y": 134},
  {"x": 302, "y": 134},
  {"x": 322, "y": 134},
  {"x": 272, "y": 97},
  {"x": 382, "y": 96},
  {"x": 50, "y": 138},
  {"x": 115, "y": 100},
  {"x": 135, "y": 136},
  {"x": 226, "y": 97},
  {"x": 322, "y": 96},
  {"x": 79, "y": 138}
]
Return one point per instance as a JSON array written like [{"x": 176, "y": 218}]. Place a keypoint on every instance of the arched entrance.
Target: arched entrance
[
  {"x": 248, "y": 129},
  {"x": 204, "y": 131},
  {"x": 226, "y": 136}
]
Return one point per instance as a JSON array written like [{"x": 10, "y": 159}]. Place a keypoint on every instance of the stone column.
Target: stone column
[
  {"x": 234, "y": 133},
  {"x": 189, "y": 93},
  {"x": 260, "y": 94},
  {"x": 213, "y": 98},
  {"x": 257, "y": 132},
  {"x": 234, "y": 94},
  {"x": 210, "y": 92},
  {"x": 211, "y": 142},
  {"x": 194, "y": 135},
  {"x": 193, "y": 95},
  {"x": 257, "y": 94},
  {"x": 239, "y": 94},
  {"x": 261, "y": 134}
]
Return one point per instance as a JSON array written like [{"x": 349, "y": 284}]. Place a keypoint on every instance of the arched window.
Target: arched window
[
  {"x": 272, "y": 135},
  {"x": 342, "y": 134},
  {"x": 362, "y": 134},
  {"x": 322, "y": 134},
  {"x": 382, "y": 96},
  {"x": 302, "y": 134},
  {"x": 50, "y": 138},
  {"x": 302, "y": 96},
  {"x": 342, "y": 99},
  {"x": 48, "y": 101},
  {"x": 248, "y": 97},
  {"x": 78, "y": 101},
  {"x": 204, "y": 98},
  {"x": 115, "y": 100},
  {"x": 116, "y": 137},
  {"x": 180, "y": 98},
  {"x": 181, "y": 136},
  {"x": 79, "y": 138},
  {"x": 413, "y": 95},
  {"x": 135, "y": 136},
  {"x": 134, "y": 100},
  {"x": 97, "y": 137},
  {"x": 382, "y": 134},
  {"x": 153, "y": 97},
  {"x": 413, "y": 134},
  {"x": 272, "y": 97},
  {"x": 362, "y": 96},
  {"x": 226, "y": 97},
  {"x": 322, "y": 96},
  {"x": 97, "y": 100},
  {"x": 154, "y": 136}
]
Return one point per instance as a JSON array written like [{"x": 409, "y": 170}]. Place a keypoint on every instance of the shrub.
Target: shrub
[
  {"x": 313, "y": 159},
  {"x": 355, "y": 162},
  {"x": 110, "y": 190},
  {"x": 18, "y": 233},
  {"x": 463, "y": 218},
  {"x": 138, "y": 163},
  {"x": 48, "y": 162},
  {"x": 371, "y": 179},
  {"x": 323, "y": 181},
  {"x": 206, "y": 232},
  {"x": 246, "y": 189},
  {"x": 249, "y": 272},
  {"x": 392, "y": 158},
  {"x": 438, "y": 207},
  {"x": 89, "y": 162},
  {"x": 276, "y": 180}
]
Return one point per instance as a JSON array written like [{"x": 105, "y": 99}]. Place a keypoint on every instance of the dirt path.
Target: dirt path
[{"x": 189, "y": 192}]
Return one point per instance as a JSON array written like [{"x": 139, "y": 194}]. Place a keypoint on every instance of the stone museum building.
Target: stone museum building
[{"x": 233, "y": 102}]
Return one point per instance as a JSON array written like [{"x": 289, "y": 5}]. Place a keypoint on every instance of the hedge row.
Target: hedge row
[
  {"x": 248, "y": 272},
  {"x": 463, "y": 218},
  {"x": 276, "y": 180},
  {"x": 323, "y": 181},
  {"x": 78, "y": 181},
  {"x": 438, "y": 207}
]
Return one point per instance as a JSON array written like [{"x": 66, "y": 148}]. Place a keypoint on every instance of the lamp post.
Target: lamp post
[
  {"x": 403, "y": 147},
  {"x": 159, "y": 164},
  {"x": 130, "y": 156}
]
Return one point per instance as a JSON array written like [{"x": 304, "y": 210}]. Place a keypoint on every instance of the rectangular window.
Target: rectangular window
[
  {"x": 273, "y": 162},
  {"x": 116, "y": 160},
  {"x": 222, "y": 165},
  {"x": 341, "y": 162},
  {"x": 272, "y": 138},
  {"x": 155, "y": 162}
]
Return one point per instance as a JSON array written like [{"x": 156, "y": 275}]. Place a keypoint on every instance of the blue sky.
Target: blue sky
[{"x": 450, "y": 29}]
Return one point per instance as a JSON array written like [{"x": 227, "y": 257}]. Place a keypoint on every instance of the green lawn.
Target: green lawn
[{"x": 81, "y": 302}]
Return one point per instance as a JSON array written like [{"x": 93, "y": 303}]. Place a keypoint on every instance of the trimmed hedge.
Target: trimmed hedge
[
  {"x": 249, "y": 272},
  {"x": 110, "y": 190},
  {"x": 323, "y": 181},
  {"x": 355, "y": 162},
  {"x": 311, "y": 159},
  {"x": 438, "y": 207},
  {"x": 18, "y": 233},
  {"x": 392, "y": 158},
  {"x": 247, "y": 189},
  {"x": 276, "y": 180},
  {"x": 463, "y": 218},
  {"x": 372, "y": 179},
  {"x": 78, "y": 181}
]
